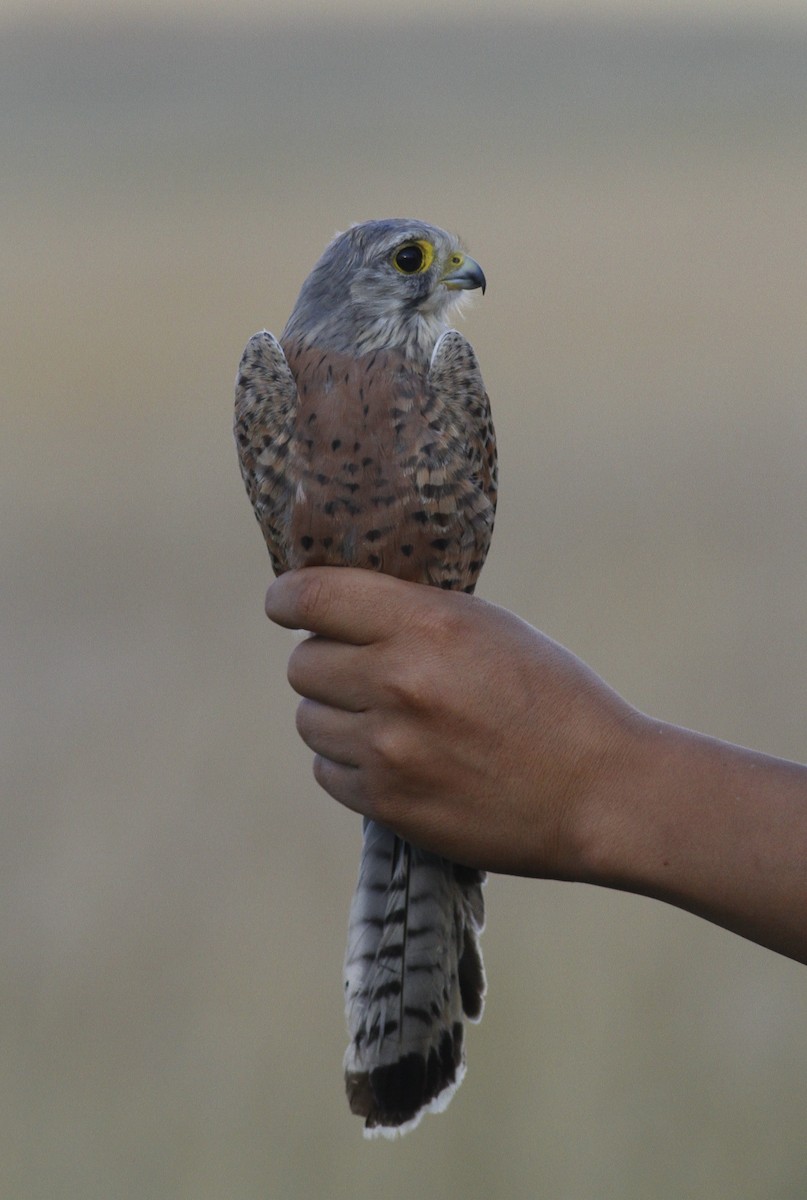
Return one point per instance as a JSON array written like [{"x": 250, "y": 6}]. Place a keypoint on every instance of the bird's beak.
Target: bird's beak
[{"x": 465, "y": 275}]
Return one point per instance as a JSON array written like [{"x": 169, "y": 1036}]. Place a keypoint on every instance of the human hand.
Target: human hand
[{"x": 450, "y": 719}]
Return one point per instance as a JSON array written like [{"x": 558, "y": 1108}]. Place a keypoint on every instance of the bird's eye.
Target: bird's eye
[
  {"x": 413, "y": 258},
  {"x": 409, "y": 259}
]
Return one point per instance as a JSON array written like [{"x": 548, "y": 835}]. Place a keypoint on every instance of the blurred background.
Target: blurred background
[{"x": 174, "y": 889}]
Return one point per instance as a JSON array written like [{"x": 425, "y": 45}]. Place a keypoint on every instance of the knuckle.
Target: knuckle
[
  {"x": 446, "y": 620},
  {"x": 390, "y": 746},
  {"x": 439, "y": 626},
  {"x": 412, "y": 687}
]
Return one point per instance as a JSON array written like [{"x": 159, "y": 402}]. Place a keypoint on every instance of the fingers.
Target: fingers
[
  {"x": 333, "y": 736},
  {"x": 332, "y": 673},
  {"x": 330, "y": 732},
  {"x": 344, "y": 603},
  {"x": 339, "y": 781}
]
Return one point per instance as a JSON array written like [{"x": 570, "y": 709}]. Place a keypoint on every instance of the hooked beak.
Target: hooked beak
[{"x": 465, "y": 275}]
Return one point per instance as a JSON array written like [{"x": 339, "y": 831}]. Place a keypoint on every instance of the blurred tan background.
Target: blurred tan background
[{"x": 174, "y": 889}]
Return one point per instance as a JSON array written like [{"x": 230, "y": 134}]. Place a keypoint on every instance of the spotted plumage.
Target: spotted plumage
[{"x": 365, "y": 439}]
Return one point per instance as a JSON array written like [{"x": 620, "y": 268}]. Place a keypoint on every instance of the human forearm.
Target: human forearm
[{"x": 710, "y": 827}]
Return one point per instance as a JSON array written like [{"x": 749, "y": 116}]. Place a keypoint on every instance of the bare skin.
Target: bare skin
[{"x": 475, "y": 736}]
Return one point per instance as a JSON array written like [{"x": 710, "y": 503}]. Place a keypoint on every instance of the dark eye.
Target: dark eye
[{"x": 409, "y": 259}]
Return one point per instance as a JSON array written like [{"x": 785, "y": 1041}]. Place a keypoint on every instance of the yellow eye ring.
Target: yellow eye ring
[{"x": 413, "y": 258}]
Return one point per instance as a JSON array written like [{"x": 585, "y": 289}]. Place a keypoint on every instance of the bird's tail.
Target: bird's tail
[{"x": 413, "y": 971}]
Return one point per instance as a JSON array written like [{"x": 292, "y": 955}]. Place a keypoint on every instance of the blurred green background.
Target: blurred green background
[{"x": 174, "y": 889}]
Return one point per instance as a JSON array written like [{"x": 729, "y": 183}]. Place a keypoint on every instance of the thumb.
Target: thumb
[{"x": 346, "y": 604}]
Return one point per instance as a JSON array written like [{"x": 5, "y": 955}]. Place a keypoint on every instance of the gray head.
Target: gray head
[{"x": 384, "y": 284}]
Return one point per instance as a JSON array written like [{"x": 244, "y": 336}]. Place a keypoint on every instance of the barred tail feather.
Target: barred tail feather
[{"x": 413, "y": 971}]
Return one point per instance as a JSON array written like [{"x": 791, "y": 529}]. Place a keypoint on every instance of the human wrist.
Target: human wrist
[
  {"x": 613, "y": 833},
  {"x": 653, "y": 811}
]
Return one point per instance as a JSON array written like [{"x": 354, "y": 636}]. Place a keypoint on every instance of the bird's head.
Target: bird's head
[{"x": 384, "y": 284}]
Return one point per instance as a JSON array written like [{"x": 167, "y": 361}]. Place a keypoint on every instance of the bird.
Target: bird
[{"x": 365, "y": 439}]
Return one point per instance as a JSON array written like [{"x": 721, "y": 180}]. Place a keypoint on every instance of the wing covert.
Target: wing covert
[
  {"x": 457, "y": 388},
  {"x": 265, "y": 409}
]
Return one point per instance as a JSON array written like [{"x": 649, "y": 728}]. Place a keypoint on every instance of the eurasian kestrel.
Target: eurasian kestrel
[{"x": 365, "y": 439}]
